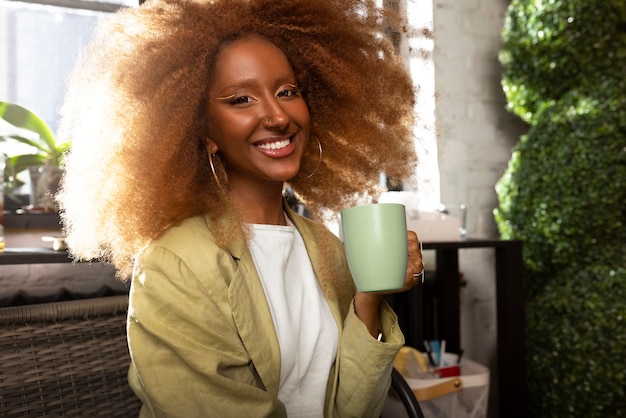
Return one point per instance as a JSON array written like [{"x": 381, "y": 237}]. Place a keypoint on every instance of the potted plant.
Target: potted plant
[{"x": 44, "y": 164}]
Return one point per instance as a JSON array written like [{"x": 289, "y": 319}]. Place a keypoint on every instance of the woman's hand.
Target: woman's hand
[
  {"x": 367, "y": 305},
  {"x": 415, "y": 265}
]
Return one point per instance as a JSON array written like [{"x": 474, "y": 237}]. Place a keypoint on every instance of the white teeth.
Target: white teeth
[{"x": 275, "y": 145}]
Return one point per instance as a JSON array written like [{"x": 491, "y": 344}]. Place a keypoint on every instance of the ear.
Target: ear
[{"x": 211, "y": 146}]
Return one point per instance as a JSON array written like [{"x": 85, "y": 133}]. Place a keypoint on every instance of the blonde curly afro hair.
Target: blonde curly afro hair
[{"x": 135, "y": 113}]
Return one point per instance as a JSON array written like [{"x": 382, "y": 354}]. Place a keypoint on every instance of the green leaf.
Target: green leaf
[
  {"x": 27, "y": 141},
  {"x": 22, "y": 162},
  {"x": 23, "y": 118}
]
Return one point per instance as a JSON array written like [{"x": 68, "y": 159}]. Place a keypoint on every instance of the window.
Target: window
[{"x": 39, "y": 43}]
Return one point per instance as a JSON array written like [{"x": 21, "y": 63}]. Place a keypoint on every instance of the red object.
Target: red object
[{"x": 448, "y": 371}]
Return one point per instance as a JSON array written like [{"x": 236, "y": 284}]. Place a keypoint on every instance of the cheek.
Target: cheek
[
  {"x": 226, "y": 127},
  {"x": 302, "y": 116}
]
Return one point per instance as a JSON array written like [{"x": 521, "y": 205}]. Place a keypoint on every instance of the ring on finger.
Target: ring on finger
[{"x": 418, "y": 276}]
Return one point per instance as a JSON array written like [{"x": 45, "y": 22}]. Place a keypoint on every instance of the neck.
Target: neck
[{"x": 259, "y": 208}]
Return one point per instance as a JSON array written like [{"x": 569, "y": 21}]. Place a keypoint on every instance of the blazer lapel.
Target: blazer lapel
[{"x": 253, "y": 317}]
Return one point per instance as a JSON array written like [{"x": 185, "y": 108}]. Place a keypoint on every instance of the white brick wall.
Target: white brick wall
[{"x": 476, "y": 133}]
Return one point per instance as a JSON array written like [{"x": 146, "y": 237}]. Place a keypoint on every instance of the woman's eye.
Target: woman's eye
[
  {"x": 290, "y": 92},
  {"x": 239, "y": 100}
]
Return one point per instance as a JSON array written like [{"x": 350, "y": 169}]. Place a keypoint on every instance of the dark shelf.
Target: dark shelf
[
  {"x": 33, "y": 256},
  {"x": 32, "y": 220},
  {"x": 469, "y": 243}
]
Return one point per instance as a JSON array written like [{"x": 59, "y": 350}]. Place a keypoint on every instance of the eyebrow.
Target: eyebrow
[{"x": 285, "y": 78}]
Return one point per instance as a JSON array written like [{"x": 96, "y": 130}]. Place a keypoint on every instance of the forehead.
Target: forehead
[{"x": 251, "y": 57}]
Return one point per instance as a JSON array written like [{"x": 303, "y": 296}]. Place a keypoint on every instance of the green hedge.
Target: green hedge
[
  {"x": 553, "y": 46},
  {"x": 577, "y": 332},
  {"x": 564, "y": 191},
  {"x": 564, "y": 194}
]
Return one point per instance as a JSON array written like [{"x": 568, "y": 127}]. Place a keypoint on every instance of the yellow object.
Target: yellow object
[{"x": 408, "y": 358}]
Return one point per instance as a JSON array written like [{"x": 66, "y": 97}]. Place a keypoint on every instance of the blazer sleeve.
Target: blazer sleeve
[
  {"x": 365, "y": 365},
  {"x": 187, "y": 358}
]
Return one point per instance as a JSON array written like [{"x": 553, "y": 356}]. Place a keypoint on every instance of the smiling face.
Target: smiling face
[{"x": 258, "y": 121}]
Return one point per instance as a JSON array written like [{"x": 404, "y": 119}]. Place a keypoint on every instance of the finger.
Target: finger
[
  {"x": 415, "y": 262},
  {"x": 414, "y": 268},
  {"x": 414, "y": 245}
]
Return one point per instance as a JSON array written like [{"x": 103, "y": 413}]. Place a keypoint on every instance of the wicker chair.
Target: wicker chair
[{"x": 66, "y": 359}]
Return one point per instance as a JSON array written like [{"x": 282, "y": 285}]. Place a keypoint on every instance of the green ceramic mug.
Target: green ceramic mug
[{"x": 375, "y": 240}]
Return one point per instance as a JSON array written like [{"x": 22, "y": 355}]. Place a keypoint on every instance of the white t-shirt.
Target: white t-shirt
[{"x": 307, "y": 332}]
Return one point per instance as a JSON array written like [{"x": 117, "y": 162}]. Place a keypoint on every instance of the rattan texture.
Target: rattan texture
[{"x": 66, "y": 359}]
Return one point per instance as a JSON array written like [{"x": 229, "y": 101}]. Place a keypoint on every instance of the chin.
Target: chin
[{"x": 287, "y": 174}]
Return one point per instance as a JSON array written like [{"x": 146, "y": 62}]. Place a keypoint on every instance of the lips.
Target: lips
[{"x": 277, "y": 147}]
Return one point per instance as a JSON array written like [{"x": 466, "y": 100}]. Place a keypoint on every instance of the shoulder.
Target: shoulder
[
  {"x": 189, "y": 236},
  {"x": 190, "y": 228},
  {"x": 189, "y": 242}
]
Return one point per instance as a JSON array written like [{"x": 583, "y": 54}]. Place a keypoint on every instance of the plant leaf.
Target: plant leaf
[
  {"x": 37, "y": 144},
  {"x": 23, "y": 118},
  {"x": 22, "y": 162}
]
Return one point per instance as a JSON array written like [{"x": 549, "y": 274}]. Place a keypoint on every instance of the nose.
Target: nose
[{"x": 275, "y": 116}]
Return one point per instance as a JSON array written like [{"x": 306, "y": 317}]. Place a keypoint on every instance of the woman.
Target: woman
[{"x": 188, "y": 119}]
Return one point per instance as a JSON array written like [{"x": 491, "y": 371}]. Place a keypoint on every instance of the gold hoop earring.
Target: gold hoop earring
[
  {"x": 217, "y": 180},
  {"x": 319, "y": 146}
]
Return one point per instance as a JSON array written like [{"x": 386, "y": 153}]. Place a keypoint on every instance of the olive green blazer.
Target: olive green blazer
[{"x": 202, "y": 340}]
